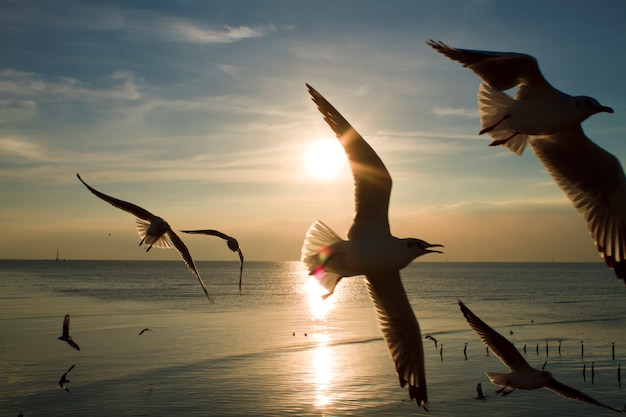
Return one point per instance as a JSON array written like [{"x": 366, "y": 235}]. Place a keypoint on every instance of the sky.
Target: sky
[{"x": 198, "y": 112}]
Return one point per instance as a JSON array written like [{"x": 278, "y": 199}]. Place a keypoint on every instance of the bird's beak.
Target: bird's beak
[
  {"x": 606, "y": 109},
  {"x": 429, "y": 250}
]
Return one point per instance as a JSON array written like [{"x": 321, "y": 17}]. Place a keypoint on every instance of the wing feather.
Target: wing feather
[
  {"x": 401, "y": 331},
  {"x": 372, "y": 182},
  {"x": 594, "y": 181},
  {"x": 498, "y": 344}
]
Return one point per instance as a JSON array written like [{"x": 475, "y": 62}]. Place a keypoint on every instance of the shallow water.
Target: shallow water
[{"x": 240, "y": 356}]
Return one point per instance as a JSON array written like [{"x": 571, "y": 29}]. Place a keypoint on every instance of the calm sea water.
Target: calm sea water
[{"x": 277, "y": 350}]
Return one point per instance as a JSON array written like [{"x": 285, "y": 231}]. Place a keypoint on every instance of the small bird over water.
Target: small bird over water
[
  {"x": 431, "y": 338},
  {"x": 144, "y": 330},
  {"x": 521, "y": 374},
  {"x": 372, "y": 251},
  {"x": 231, "y": 242},
  {"x": 153, "y": 230},
  {"x": 479, "y": 392},
  {"x": 64, "y": 380},
  {"x": 66, "y": 336},
  {"x": 592, "y": 178}
]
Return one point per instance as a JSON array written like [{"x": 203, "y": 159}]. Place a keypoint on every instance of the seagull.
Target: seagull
[
  {"x": 372, "y": 251},
  {"x": 431, "y": 338},
  {"x": 232, "y": 243},
  {"x": 479, "y": 392},
  {"x": 521, "y": 374},
  {"x": 63, "y": 380},
  {"x": 144, "y": 330},
  {"x": 592, "y": 178},
  {"x": 153, "y": 230},
  {"x": 66, "y": 336}
]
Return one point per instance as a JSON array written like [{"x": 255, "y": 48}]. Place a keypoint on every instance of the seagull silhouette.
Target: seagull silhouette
[
  {"x": 521, "y": 374},
  {"x": 479, "y": 392},
  {"x": 144, "y": 330},
  {"x": 231, "y": 242},
  {"x": 372, "y": 251},
  {"x": 431, "y": 338},
  {"x": 153, "y": 230},
  {"x": 63, "y": 380},
  {"x": 66, "y": 336},
  {"x": 592, "y": 178}
]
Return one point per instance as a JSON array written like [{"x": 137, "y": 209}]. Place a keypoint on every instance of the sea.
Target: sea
[{"x": 278, "y": 349}]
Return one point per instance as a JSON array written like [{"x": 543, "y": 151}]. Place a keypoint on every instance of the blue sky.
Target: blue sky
[{"x": 198, "y": 111}]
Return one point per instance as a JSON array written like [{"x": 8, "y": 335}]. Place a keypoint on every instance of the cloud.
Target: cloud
[
  {"x": 185, "y": 31},
  {"x": 30, "y": 84},
  {"x": 462, "y": 112}
]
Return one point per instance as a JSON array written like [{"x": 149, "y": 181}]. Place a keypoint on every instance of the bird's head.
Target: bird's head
[
  {"x": 232, "y": 244},
  {"x": 420, "y": 247},
  {"x": 588, "y": 106}
]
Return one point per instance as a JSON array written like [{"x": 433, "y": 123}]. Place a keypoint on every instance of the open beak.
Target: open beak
[{"x": 429, "y": 250}]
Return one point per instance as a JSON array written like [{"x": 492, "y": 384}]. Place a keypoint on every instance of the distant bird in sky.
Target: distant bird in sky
[
  {"x": 372, "y": 251},
  {"x": 66, "y": 336},
  {"x": 231, "y": 242},
  {"x": 63, "y": 380},
  {"x": 431, "y": 338},
  {"x": 479, "y": 392},
  {"x": 521, "y": 374},
  {"x": 153, "y": 230},
  {"x": 592, "y": 178},
  {"x": 144, "y": 330}
]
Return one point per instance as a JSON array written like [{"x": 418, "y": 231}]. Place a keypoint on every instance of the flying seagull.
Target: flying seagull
[
  {"x": 66, "y": 336},
  {"x": 592, "y": 178},
  {"x": 479, "y": 392},
  {"x": 521, "y": 374},
  {"x": 63, "y": 380},
  {"x": 230, "y": 241},
  {"x": 372, "y": 251},
  {"x": 431, "y": 338},
  {"x": 144, "y": 330},
  {"x": 153, "y": 230}
]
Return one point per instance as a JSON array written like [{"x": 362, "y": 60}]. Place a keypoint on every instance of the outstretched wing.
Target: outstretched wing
[
  {"x": 230, "y": 241},
  {"x": 186, "y": 255},
  {"x": 498, "y": 344},
  {"x": 501, "y": 70},
  {"x": 594, "y": 181},
  {"x": 372, "y": 182},
  {"x": 574, "y": 394},
  {"x": 401, "y": 331},
  {"x": 120, "y": 204}
]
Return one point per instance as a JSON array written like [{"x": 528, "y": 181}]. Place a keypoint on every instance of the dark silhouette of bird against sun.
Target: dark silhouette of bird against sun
[
  {"x": 372, "y": 251},
  {"x": 153, "y": 230}
]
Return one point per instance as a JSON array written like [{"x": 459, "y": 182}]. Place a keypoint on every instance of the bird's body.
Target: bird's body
[
  {"x": 144, "y": 330},
  {"x": 231, "y": 242},
  {"x": 549, "y": 120},
  {"x": 521, "y": 375},
  {"x": 66, "y": 336},
  {"x": 64, "y": 380},
  {"x": 372, "y": 251},
  {"x": 153, "y": 230}
]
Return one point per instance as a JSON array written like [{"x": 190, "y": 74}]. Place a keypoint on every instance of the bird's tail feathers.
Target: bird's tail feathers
[
  {"x": 149, "y": 240},
  {"x": 492, "y": 106},
  {"x": 497, "y": 378},
  {"x": 316, "y": 253}
]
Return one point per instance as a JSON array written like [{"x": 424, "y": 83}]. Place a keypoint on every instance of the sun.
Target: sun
[{"x": 324, "y": 158}]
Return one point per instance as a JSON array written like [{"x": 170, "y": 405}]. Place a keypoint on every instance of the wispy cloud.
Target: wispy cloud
[
  {"x": 186, "y": 31},
  {"x": 121, "y": 85},
  {"x": 462, "y": 112}
]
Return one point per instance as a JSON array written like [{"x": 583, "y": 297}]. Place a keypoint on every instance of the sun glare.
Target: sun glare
[{"x": 324, "y": 158}]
